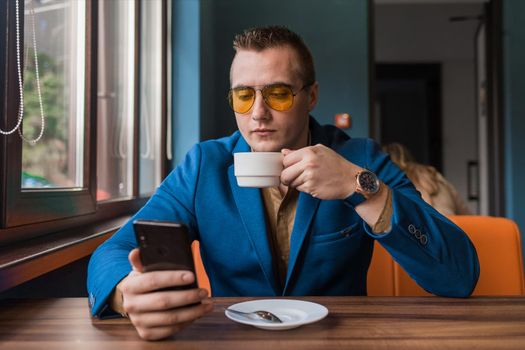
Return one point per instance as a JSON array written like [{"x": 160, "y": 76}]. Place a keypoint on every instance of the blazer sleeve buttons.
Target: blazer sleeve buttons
[{"x": 421, "y": 237}]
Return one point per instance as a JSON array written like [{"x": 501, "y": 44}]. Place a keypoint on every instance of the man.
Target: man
[{"x": 313, "y": 235}]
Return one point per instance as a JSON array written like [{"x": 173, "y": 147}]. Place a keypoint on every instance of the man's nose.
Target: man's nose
[{"x": 260, "y": 109}]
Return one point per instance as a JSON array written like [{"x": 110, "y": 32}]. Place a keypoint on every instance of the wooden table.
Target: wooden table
[{"x": 353, "y": 323}]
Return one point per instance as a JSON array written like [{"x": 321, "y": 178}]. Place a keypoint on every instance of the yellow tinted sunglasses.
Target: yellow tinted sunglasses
[{"x": 276, "y": 96}]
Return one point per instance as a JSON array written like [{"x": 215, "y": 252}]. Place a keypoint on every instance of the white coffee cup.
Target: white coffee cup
[{"x": 258, "y": 169}]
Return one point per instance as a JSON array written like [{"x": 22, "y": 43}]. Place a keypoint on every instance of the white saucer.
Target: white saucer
[{"x": 293, "y": 313}]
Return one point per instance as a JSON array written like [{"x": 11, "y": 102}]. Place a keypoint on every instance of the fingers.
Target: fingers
[
  {"x": 159, "y": 301},
  {"x": 315, "y": 170},
  {"x": 134, "y": 260},
  {"x": 303, "y": 183},
  {"x": 292, "y": 157},
  {"x": 158, "y": 333},
  {"x": 299, "y": 182},
  {"x": 290, "y": 174},
  {"x": 300, "y": 166},
  {"x": 155, "y": 280},
  {"x": 157, "y": 314},
  {"x": 308, "y": 153},
  {"x": 286, "y": 151},
  {"x": 171, "y": 317},
  {"x": 163, "y": 324}
]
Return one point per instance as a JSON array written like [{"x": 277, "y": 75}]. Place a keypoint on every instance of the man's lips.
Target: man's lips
[{"x": 263, "y": 132}]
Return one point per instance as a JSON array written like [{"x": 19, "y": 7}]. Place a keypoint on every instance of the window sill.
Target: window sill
[{"x": 29, "y": 259}]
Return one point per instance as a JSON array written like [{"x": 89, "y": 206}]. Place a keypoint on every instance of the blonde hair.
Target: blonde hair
[{"x": 424, "y": 177}]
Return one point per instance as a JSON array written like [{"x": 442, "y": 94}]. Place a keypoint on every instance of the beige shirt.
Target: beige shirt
[{"x": 280, "y": 215}]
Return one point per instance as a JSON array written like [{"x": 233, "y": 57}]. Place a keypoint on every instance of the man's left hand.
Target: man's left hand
[{"x": 319, "y": 171}]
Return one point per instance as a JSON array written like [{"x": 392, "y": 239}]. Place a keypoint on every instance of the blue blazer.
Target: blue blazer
[{"x": 330, "y": 246}]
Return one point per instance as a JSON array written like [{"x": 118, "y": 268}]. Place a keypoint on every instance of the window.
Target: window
[
  {"x": 99, "y": 82},
  {"x": 55, "y": 161},
  {"x": 116, "y": 95},
  {"x": 151, "y": 109}
]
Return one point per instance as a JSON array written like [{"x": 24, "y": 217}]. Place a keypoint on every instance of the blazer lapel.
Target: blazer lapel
[
  {"x": 251, "y": 209},
  {"x": 306, "y": 208}
]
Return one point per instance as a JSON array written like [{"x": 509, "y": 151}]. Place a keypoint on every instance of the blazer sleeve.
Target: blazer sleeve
[
  {"x": 435, "y": 252},
  {"x": 172, "y": 201}
]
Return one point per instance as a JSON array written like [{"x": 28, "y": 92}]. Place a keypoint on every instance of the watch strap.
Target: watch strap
[{"x": 355, "y": 199}]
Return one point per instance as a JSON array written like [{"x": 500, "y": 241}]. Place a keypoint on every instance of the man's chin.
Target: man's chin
[
  {"x": 266, "y": 147},
  {"x": 266, "y": 150}
]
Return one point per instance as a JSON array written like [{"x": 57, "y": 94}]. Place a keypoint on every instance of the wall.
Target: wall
[
  {"x": 419, "y": 33},
  {"x": 335, "y": 30},
  {"x": 459, "y": 123},
  {"x": 514, "y": 109},
  {"x": 186, "y": 76}
]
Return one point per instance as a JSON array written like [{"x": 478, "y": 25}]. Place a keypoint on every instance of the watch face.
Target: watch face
[{"x": 368, "y": 182}]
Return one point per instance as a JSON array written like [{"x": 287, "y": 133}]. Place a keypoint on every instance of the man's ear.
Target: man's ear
[{"x": 312, "y": 96}]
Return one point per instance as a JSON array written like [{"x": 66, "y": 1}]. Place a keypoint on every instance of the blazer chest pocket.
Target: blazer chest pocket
[{"x": 334, "y": 236}]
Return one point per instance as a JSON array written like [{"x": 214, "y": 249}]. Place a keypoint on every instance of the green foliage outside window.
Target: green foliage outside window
[{"x": 54, "y": 99}]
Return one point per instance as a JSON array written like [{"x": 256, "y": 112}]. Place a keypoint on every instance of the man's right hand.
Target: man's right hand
[{"x": 160, "y": 314}]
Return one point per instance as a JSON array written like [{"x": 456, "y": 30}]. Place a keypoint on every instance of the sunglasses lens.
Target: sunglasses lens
[
  {"x": 241, "y": 99},
  {"x": 278, "y": 97}
]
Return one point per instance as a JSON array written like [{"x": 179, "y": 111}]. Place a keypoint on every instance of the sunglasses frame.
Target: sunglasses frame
[{"x": 230, "y": 95}]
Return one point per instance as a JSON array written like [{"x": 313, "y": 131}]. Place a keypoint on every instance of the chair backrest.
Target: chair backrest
[
  {"x": 202, "y": 277},
  {"x": 380, "y": 278},
  {"x": 498, "y": 244}
]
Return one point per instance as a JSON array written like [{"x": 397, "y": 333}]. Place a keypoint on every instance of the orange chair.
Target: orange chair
[
  {"x": 202, "y": 277},
  {"x": 380, "y": 278},
  {"x": 498, "y": 244}
]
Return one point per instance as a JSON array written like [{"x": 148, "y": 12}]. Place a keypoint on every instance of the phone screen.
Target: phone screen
[{"x": 164, "y": 246}]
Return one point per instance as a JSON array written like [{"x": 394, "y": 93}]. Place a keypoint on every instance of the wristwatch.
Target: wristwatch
[{"x": 367, "y": 184}]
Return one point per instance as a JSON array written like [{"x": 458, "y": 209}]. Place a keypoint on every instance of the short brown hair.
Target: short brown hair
[{"x": 261, "y": 38}]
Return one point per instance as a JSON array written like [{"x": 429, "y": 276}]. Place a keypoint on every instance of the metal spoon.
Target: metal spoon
[{"x": 260, "y": 314}]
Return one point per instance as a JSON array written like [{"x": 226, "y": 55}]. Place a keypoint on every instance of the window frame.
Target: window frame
[{"x": 26, "y": 213}]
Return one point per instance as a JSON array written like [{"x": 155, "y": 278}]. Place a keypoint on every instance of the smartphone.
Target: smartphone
[{"x": 165, "y": 245}]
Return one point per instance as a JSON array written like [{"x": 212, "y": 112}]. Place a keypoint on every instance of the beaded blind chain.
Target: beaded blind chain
[{"x": 20, "y": 83}]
